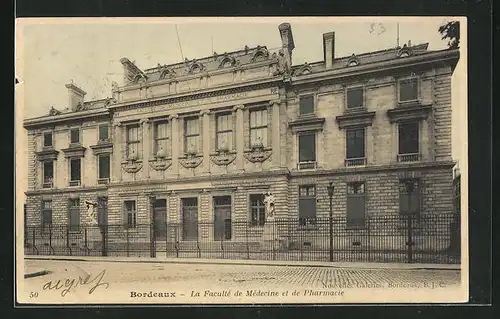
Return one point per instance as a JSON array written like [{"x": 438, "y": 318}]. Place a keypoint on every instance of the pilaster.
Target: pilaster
[
  {"x": 275, "y": 139},
  {"x": 205, "y": 115},
  {"x": 117, "y": 152},
  {"x": 174, "y": 124},
  {"x": 240, "y": 138},
  {"x": 146, "y": 145}
]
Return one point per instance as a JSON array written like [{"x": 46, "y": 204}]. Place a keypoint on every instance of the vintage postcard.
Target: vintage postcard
[{"x": 241, "y": 160}]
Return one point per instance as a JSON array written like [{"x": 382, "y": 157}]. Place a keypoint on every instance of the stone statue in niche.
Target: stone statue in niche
[
  {"x": 91, "y": 212},
  {"x": 270, "y": 234}
]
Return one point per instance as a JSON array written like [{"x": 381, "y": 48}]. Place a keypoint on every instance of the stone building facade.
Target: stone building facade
[{"x": 201, "y": 141}]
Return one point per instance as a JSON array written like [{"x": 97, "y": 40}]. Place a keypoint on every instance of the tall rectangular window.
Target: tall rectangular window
[
  {"x": 191, "y": 135},
  {"x": 75, "y": 136},
  {"x": 74, "y": 214},
  {"x": 306, "y": 104},
  {"x": 356, "y": 204},
  {"x": 409, "y": 196},
  {"x": 307, "y": 204},
  {"x": 408, "y": 90},
  {"x": 190, "y": 218},
  {"x": 224, "y": 129},
  {"x": 75, "y": 172},
  {"x": 258, "y": 127},
  {"x": 133, "y": 141},
  {"x": 130, "y": 214},
  {"x": 46, "y": 214},
  {"x": 257, "y": 210},
  {"x": 104, "y": 166},
  {"x": 307, "y": 150},
  {"x": 47, "y": 139},
  {"x": 48, "y": 173},
  {"x": 103, "y": 132},
  {"x": 161, "y": 139},
  {"x": 408, "y": 138},
  {"x": 354, "y": 97},
  {"x": 355, "y": 143}
]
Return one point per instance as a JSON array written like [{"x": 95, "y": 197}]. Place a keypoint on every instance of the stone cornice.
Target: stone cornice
[
  {"x": 307, "y": 123},
  {"x": 102, "y": 148},
  {"x": 53, "y": 191},
  {"x": 47, "y": 154},
  {"x": 65, "y": 117},
  {"x": 445, "y": 56},
  {"x": 355, "y": 119},
  {"x": 180, "y": 97},
  {"x": 74, "y": 151}
]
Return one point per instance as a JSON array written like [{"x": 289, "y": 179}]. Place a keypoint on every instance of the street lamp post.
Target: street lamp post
[
  {"x": 331, "y": 188},
  {"x": 409, "y": 191}
]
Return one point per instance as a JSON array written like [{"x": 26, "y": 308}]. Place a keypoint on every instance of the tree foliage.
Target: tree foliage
[{"x": 451, "y": 30}]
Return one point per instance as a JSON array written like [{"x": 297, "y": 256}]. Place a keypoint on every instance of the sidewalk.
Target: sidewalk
[{"x": 289, "y": 263}]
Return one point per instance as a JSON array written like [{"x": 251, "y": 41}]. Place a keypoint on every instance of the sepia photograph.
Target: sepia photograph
[{"x": 276, "y": 160}]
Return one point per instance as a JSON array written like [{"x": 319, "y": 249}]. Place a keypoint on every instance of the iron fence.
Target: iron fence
[{"x": 377, "y": 238}]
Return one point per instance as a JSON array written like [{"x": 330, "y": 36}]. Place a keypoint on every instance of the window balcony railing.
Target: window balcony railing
[
  {"x": 103, "y": 181},
  {"x": 355, "y": 161},
  {"x": 74, "y": 183},
  {"x": 307, "y": 165},
  {"x": 47, "y": 184},
  {"x": 406, "y": 158}
]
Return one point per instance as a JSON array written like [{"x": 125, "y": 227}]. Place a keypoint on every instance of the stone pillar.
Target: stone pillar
[
  {"x": 174, "y": 120},
  {"x": 146, "y": 149},
  {"x": 205, "y": 140},
  {"x": 240, "y": 138},
  {"x": 275, "y": 141},
  {"x": 117, "y": 153}
]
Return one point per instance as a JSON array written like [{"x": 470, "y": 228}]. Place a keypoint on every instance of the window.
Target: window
[
  {"x": 74, "y": 214},
  {"x": 307, "y": 150},
  {"x": 75, "y": 172},
  {"x": 192, "y": 135},
  {"x": 257, "y": 210},
  {"x": 306, "y": 104},
  {"x": 48, "y": 173},
  {"x": 190, "y": 218},
  {"x": 224, "y": 128},
  {"x": 133, "y": 141},
  {"x": 130, "y": 214},
  {"x": 104, "y": 167},
  {"x": 307, "y": 205},
  {"x": 356, "y": 204},
  {"x": 355, "y": 143},
  {"x": 46, "y": 215},
  {"x": 103, "y": 132},
  {"x": 354, "y": 97},
  {"x": 161, "y": 139},
  {"x": 222, "y": 218},
  {"x": 408, "y": 90},
  {"x": 47, "y": 139},
  {"x": 258, "y": 127},
  {"x": 408, "y": 138},
  {"x": 409, "y": 202},
  {"x": 75, "y": 136}
]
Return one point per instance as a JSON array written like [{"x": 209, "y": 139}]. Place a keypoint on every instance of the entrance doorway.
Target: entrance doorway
[
  {"x": 159, "y": 218},
  {"x": 222, "y": 218}
]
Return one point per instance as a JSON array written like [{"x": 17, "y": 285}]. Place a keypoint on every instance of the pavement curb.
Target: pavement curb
[{"x": 253, "y": 262}]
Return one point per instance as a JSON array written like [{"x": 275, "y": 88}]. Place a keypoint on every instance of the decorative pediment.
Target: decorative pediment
[
  {"x": 353, "y": 60},
  {"x": 405, "y": 51},
  {"x": 167, "y": 73},
  {"x": 355, "y": 119},
  {"x": 74, "y": 151},
  {"x": 307, "y": 123},
  {"x": 304, "y": 69},
  {"x": 195, "y": 67},
  {"x": 131, "y": 166},
  {"x": 53, "y": 111},
  {"x": 223, "y": 158},
  {"x": 160, "y": 163},
  {"x": 191, "y": 161},
  {"x": 260, "y": 54},
  {"x": 411, "y": 112},
  {"x": 105, "y": 147},
  {"x": 227, "y": 61},
  {"x": 47, "y": 154}
]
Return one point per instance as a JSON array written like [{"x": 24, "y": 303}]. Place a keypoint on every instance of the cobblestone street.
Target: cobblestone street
[{"x": 133, "y": 279}]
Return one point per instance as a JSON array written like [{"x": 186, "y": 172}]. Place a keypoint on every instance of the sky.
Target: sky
[{"x": 52, "y": 52}]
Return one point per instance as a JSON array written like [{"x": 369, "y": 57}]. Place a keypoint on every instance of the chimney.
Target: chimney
[
  {"x": 287, "y": 41},
  {"x": 75, "y": 96},
  {"x": 329, "y": 49}
]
